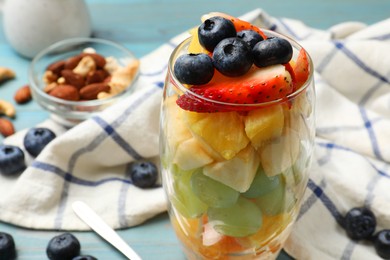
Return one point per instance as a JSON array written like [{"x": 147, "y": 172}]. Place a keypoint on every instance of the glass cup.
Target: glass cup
[{"x": 235, "y": 180}]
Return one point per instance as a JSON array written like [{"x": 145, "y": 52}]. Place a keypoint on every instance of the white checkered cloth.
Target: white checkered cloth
[{"x": 352, "y": 166}]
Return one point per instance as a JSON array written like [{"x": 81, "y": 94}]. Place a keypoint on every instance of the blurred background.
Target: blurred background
[{"x": 142, "y": 26}]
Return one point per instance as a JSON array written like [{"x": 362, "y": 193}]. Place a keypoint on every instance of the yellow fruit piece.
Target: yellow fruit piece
[
  {"x": 281, "y": 153},
  {"x": 264, "y": 124},
  {"x": 272, "y": 227},
  {"x": 190, "y": 155},
  {"x": 223, "y": 132},
  {"x": 194, "y": 46},
  {"x": 176, "y": 130},
  {"x": 238, "y": 172}
]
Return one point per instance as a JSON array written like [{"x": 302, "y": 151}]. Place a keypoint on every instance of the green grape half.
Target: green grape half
[
  {"x": 261, "y": 184},
  {"x": 277, "y": 201},
  {"x": 183, "y": 199},
  {"x": 241, "y": 219},
  {"x": 213, "y": 193}
]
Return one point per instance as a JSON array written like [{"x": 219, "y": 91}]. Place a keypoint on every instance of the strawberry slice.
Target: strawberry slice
[
  {"x": 257, "y": 86},
  {"x": 301, "y": 69},
  {"x": 240, "y": 25}
]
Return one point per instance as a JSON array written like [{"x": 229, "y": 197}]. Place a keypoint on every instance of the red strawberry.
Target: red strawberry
[
  {"x": 257, "y": 86},
  {"x": 240, "y": 25},
  {"x": 301, "y": 69}
]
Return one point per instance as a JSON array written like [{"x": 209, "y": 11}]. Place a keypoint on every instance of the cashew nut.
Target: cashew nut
[
  {"x": 121, "y": 79},
  {"x": 61, "y": 80},
  {"x": 50, "y": 87},
  {"x": 86, "y": 65},
  {"x": 111, "y": 65},
  {"x": 89, "y": 50},
  {"x": 49, "y": 77},
  {"x": 7, "y": 108}
]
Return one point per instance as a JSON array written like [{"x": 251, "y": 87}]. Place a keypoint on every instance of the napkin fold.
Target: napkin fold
[{"x": 352, "y": 155}]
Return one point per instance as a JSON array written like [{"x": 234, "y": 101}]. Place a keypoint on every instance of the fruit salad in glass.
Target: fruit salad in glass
[{"x": 237, "y": 134}]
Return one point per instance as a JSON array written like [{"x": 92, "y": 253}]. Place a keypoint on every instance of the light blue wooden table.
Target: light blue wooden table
[{"x": 143, "y": 25}]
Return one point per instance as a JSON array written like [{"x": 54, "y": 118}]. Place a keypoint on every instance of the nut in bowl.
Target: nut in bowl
[{"x": 75, "y": 78}]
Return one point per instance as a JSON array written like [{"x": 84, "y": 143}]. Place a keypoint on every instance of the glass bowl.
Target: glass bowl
[{"x": 69, "y": 112}]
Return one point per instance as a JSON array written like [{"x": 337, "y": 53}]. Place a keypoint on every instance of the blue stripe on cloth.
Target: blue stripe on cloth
[
  {"x": 338, "y": 147},
  {"x": 326, "y": 60},
  {"x": 93, "y": 145},
  {"x": 348, "y": 250},
  {"x": 371, "y": 91},
  {"x": 381, "y": 37},
  {"x": 122, "y": 201},
  {"x": 288, "y": 29},
  {"x": 371, "y": 133},
  {"x": 73, "y": 179},
  {"x": 310, "y": 201},
  {"x": 326, "y": 201},
  {"x": 159, "y": 84},
  {"x": 117, "y": 138},
  {"x": 360, "y": 63}
]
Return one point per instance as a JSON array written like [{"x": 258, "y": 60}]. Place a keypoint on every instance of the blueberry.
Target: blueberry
[
  {"x": 11, "y": 160},
  {"x": 272, "y": 51},
  {"x": 194, "y": 69},
  {"x": 360, "y": 223},
  {"x": 214, "y": 30},
  {"x": 7, "y": 247},
  {"x": 63, "y": 247},
  {"x": 84, "y": 257},
  {"x": 251, "y": 37},
  {"x": 382, "y": 243},
  {"x": 36, "y": 139},
  {"x": 143, "y": 174},
  {"x": 232, "y": 57}
]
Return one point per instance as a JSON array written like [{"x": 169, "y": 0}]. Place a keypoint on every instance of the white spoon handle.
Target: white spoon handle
[{"x": 86, "y": 214}]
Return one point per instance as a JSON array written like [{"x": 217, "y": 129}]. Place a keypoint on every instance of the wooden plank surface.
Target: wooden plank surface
[{"x": 142, "y": 26}]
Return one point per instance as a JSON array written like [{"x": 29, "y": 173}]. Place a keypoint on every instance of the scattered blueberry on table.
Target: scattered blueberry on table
[
  {"x": 382, "y": 243},
  {"x": 360, "y": 223},
  {"x": 11, "y": 160},
  {"x": 143, "y": 174},
  {"x": 63, "y": 247},
  {"x": 36, "y": 139},
  {"x": 7, "y": 247}
]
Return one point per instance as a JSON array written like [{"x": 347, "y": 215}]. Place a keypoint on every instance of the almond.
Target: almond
[
  {"x": 73, "y": 79},
  {"x": 72, "y": 62},
  {"x": 23, "y": 95},
  {"x": 6, "y": 127},
  {"x": 56, "y": 67},
  {"x": 96, "y": 76},
  {"x": 6, "y": 74},
  {"x": 92, "y": 90},
  {"x": 67, "y": 92}
]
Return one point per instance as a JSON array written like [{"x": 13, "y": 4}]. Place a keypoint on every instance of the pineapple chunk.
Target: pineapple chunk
[
  {"x": 223, "y": 132},
  {"x": 264, "y": 124},
  {"x": 190, "y": 155},
  {"x": 237, "y": 173},
  {"x": 194, "y": 46},
  {"x": 178, "y": 130},
  {"x": 281, "y": 154}
]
